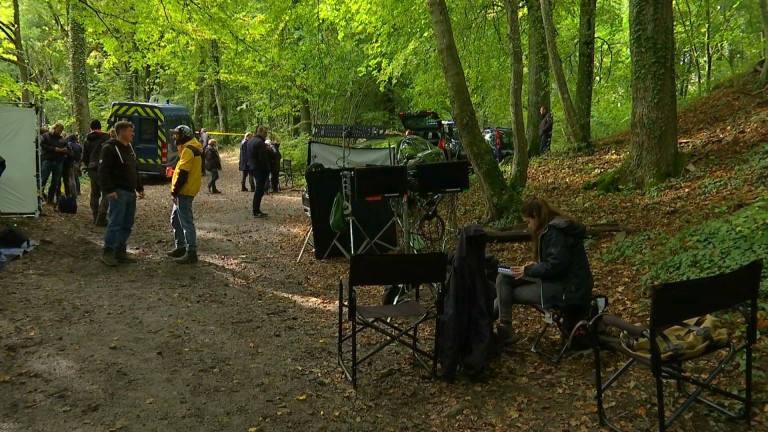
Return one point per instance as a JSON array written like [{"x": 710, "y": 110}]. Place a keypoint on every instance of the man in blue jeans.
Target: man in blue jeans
[
  {"x": 187, "y": 178},
  {"x": 54, "y": 149},
  {"x": 121, "y": 184}
]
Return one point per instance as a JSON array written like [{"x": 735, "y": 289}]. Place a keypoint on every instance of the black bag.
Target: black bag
[
  {"x": 68, "y": 205},
  {"x": 12, "y": 237}
]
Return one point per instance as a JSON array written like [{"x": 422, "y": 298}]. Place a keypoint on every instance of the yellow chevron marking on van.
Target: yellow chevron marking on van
[{"x": 122, "y": 110}]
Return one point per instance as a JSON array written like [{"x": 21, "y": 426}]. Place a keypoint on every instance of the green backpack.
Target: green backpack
[{"x": 337, "y": 220}]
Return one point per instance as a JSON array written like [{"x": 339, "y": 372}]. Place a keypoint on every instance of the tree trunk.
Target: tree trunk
[
  {"x": 220, "y": 105},
  {"x": 586, "y": 73},
  {"x": 305, "y": 126},
  {"x": 539, "y": 94},
  {"x": 21, "y": 58},
  {"x": 495, "y": 192},
  {"x": 197, "y": 110},
  {"x": 764, "y": 20},
  {"x": 573, "y": 133},
  {"x": 520, "y": 159},
  {"x": 653, "y": 147},
  {"x": 77, "y": 54}
]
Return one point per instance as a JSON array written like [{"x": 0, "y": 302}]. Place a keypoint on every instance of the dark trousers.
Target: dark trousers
[
  {"x": 275, "y": 180},
  {"x": 249, "y": 176},
  {"x": 545, "y": 141},
  {"x": 212, "y": 182},
  {"x": 99, "y": 203},
  {"x": 260, "y": 176}
]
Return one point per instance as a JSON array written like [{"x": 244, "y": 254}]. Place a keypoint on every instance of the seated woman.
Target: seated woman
[{"x": 560, "y": 276}]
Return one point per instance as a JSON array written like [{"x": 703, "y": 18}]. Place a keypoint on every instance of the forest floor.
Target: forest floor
[{"x": 245, "y": 339}]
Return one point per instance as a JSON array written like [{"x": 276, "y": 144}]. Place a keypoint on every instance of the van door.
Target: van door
[{"x": 146, "y": 143}]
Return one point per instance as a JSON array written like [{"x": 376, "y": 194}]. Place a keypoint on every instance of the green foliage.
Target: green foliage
[
  {"x": 755, "y": 165},
  {"x": 607, "y": 182},
  {"x": 296, "y": 150},
  {"x": 626, "y": 246},
  {"x": 714, "y": 247}
]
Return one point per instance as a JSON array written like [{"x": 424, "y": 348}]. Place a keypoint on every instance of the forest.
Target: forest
[
  {"x": 296, "y": 63},
  {"x": 660, "y": 114}
]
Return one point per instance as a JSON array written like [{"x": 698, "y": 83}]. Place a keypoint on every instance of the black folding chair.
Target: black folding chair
[
  {"x": 393, "y": 322},
  {"x": 671, "y": 304},
  {"x": 572, "y": 325},
  {"x": 287, "y": 172}
]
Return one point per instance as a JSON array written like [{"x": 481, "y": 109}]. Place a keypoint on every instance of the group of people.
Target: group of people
[
  {"x": 259, "y": 160},
  {"x": 116, "y": 186},
  {"x": 60, "y": 163}
]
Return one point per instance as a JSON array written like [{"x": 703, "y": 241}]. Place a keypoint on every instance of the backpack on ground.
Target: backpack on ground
[{"x": 67, "y": 205}]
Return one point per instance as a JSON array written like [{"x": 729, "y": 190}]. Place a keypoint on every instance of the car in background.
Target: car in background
[
  {"x": 453, "y": 141},
  {"x": 500, "y": 140},
  {"x": 439, "y": 133},
  {"x": 413, "y": 150}
]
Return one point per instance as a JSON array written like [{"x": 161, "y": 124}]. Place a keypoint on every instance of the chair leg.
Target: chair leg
[
  {"x": 354, "y": 353},
  {"x": 660, "y": 402}
]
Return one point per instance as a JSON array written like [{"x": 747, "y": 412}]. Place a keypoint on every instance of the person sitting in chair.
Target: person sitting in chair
[{"x": 561, "y": 276}]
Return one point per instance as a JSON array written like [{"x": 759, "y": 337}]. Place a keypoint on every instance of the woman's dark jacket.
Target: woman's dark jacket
[
  {"x": 212, "y": 158},
  {"x": 243, "y": 155},
  {"x": 563, "y": 266}
]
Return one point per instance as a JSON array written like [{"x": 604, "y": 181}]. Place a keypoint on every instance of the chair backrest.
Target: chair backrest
[
  {"x": 286, "y": 164},
  {"x": 391, "y": 269},
  {"x": 674, "y": 302}
]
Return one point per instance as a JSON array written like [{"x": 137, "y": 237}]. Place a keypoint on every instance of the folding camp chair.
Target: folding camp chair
[
  {"x": 287, "y": 172},
  {"x": 393, "y": 322},
  {"x": 671, "y": 304},
  {"x": 572, "y": 323}
]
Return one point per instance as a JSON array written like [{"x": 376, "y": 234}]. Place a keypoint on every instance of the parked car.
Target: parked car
[
  {"x": 500, "y": 139},
  {"x": 413, "y": 150},
  {"x": 439, "y": 133},
  {"x": 453, "y": 141}
]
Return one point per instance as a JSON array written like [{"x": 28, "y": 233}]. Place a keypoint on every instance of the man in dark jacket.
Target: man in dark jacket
[
  {"x": 243, "y": 165},
  {"x": 121, "y": 184},
  {"x": 258, "y": 163},
  {"x": 545, "y": 130},
  {"x": 94, "y": 141},
  {"x": 54, "y": 150}
]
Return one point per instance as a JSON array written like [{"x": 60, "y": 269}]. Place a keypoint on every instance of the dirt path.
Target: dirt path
[{"x": 243, "y": 341}]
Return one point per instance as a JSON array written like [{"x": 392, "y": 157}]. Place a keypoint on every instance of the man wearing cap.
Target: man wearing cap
[{"x": 187, "y": 178}]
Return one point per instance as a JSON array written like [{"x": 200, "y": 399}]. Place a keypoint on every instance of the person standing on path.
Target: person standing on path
[
  {"x": 54, "y": 150},
  {"x": 204, "y": 143},
  {"x": 243, "y": 166},
  {"x": 258, "y": 163},
  {"x": 94, "y": 141},
  {"x": 545, "y": 131},
  {"x": 121, "y": 184},
  {"x": 212, "y": 164},
  {"x": 187, "y": 178}
]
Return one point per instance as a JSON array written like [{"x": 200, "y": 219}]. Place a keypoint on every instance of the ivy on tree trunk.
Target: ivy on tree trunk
[
  {"x": 77, "y": 55},
  {"x": 495, "y": 191},
  {"x": 653, "y": 147},
  {"x": 539, "y": 94},
  {"x": 520, "y": 159}
]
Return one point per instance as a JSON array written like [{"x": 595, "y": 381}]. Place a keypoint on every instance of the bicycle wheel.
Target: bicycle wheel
[{"x": 431, "y": 228}]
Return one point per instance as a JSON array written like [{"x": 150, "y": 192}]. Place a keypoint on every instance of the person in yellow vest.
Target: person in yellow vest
[{"x": 187, "y": 178}]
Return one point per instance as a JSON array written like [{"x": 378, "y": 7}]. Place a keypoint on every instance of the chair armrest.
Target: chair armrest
[{"x": 614, "y": 321}]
